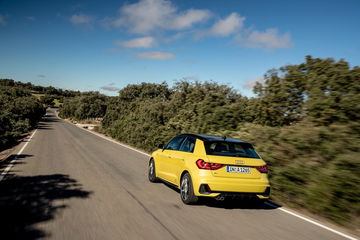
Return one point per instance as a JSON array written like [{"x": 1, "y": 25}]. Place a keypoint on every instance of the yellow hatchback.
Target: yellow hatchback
[{"x": 210, "y": 166}]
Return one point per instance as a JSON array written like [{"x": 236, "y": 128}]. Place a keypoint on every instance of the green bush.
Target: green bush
[
  {"x": 20, "y": 111},
  {"x": 87, "y": 105}
]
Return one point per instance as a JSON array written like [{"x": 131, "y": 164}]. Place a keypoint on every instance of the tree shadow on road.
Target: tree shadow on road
[
  {"x": 46, "y": 123},
  {"x": 19, "y": 157},
  {"x": 28, "y": 200}
]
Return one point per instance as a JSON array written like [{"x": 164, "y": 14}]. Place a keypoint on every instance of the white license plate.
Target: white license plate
[{"x": 237, "y": 169}]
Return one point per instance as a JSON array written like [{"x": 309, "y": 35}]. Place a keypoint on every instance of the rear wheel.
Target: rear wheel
[
  {"x": 187, "y": 190},
  {"x": 151, "y": 172}
]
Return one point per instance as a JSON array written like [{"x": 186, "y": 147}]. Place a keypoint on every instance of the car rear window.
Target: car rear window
[{"x": 230, "y": 149}]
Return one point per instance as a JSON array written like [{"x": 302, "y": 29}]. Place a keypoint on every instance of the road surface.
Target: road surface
[{"x": 71, "y": 184}]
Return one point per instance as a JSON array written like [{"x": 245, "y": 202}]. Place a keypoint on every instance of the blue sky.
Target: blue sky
[{"x": 106, "y": 45}]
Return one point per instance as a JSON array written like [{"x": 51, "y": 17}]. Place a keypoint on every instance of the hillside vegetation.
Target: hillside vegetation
[
  {"x": 19, "y": 112},
  {"x": 304, "y": 122},
  {"x": 84, "y": 106},
  {"x": 23, "y": 105}
]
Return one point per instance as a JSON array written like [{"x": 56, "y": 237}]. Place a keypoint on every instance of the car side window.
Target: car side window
[
  {"x": 175, "y": 143},
  {"x": 188, "y": 145}
]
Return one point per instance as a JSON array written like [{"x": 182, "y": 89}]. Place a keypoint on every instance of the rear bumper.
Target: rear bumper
[
  {"x": 207, "y": 185},
  {"x": 241, "y": 195}
]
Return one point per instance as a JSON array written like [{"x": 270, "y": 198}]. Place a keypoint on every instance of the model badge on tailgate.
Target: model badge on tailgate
[{"x": 239, "y": 162}]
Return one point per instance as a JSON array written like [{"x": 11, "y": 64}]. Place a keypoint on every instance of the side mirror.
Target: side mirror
[{"x": 161, "y": 146}]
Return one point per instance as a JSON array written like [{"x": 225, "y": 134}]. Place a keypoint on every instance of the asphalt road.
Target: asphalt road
[{"x": 71, "y": 184}]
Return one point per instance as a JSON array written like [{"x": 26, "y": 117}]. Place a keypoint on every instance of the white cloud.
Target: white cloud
[
  {"x": 175, "y": 37},
  {"x": 251, "y": 82},
  {"x": 110, "y": 87},
  {"x": 2, "y": 20},
  {"x": 80, "y": 19},
  {"x": 144, "y": 42},
  {"x": 147, "y": 16},
  {"x": 229, "y": 25},
  {"x": 189, "y": 18},
  {"x": 163, "y": 20},
  {"x": 156, "y": 55},
  {"x": 269, "y": 39},
  {"x": 191, "y": 79}
]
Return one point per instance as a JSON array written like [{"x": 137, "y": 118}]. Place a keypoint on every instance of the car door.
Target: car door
[
  {"x": 179, "y": 157},
  {"x": 165, "y": 163}
]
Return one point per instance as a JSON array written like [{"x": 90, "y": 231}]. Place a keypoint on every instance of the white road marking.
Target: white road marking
[
  {"x": 106, "y": 138},
  {"x": 311, "y": 221},
  {"x": 113, "y": 141},
  {"x": 271, "y": 205},
  {"x": 11, "y": 164}
]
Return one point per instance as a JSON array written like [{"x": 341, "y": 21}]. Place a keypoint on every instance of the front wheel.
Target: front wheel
[
  {"x": 151, "y": 173},
  {"x": 187, "y": 190}
]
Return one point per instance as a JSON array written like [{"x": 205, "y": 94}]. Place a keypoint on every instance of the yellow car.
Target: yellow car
[{"x": 210, "y": 166}]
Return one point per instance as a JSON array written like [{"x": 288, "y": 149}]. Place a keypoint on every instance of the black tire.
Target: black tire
[
  {"x": 152, "y": 172},
  {"x": 187, "y": 191}
]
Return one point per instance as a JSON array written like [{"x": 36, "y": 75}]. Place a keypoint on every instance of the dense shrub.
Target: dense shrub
[
  {"x": 87, "y": 105},
  {"x": 19, "y": 112},
  {"x": 156, "y": 112}
]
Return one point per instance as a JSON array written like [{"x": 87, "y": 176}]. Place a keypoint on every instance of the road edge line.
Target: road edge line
[
  {"x": 311, "y": 221},
  {"x": 114, "y": 141},
  {"x": 11, "y": 164}
]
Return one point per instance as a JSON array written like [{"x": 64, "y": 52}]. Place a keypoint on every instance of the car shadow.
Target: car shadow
[
  {"x": 28, "y": 200},
  {"x": 50, "y": 119},
  {"x": 239, "y": 204},
  {"x": 231, "y": 203}
]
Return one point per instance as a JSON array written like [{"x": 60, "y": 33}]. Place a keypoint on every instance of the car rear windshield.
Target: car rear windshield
[{"x": 230, "y": 149}]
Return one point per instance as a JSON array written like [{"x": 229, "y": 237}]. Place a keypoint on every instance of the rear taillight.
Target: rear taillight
[
  {"x": 209, "y": 166},
  {"x": 263, "y": 169}
]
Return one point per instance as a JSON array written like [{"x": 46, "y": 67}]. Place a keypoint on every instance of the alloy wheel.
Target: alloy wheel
[
  {"x": 151, "y": 168},
  {"x": 185, "y": 188}
]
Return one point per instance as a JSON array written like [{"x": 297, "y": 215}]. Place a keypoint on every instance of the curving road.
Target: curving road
[{"x": 71, "y": 184}]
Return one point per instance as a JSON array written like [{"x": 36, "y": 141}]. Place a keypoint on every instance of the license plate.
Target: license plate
[{"x": 237, "y": 169}]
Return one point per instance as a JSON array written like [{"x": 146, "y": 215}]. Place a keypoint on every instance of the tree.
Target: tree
[
  {"x": 47, "y": 100},
  {"x": 321, "y": 89}
]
